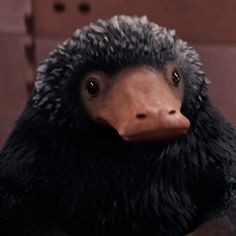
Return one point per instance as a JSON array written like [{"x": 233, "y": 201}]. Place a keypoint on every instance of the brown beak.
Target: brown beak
[{"x": 142, "y": 106}]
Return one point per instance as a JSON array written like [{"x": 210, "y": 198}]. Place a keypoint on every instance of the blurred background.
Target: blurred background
[{"x": 30, "y": 29}]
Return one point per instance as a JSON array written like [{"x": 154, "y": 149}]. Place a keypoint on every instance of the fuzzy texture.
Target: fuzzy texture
[{"x": 57, "y": 172}]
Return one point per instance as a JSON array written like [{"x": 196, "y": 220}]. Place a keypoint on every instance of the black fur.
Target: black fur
[{"x": 61, "y": 174}]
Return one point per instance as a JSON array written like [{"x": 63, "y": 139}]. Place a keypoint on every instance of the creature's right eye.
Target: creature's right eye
[
  {"x": 176, "y": 78},
  {"x": 93, "y": 87}
]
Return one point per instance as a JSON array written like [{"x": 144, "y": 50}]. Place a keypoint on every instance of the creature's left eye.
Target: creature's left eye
[
  {"x": 176, "y": 78},
  {"x": 93, "y": 87}
]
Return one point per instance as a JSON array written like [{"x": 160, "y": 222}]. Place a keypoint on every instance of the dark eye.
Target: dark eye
[
  {"x": 92, "y": 87},
  {"x": 176, "y": 78}
]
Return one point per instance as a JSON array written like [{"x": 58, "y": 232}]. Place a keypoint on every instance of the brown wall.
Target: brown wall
[
  {"x": 208, "y": 25},
  {"x": 14, "y": 66}
]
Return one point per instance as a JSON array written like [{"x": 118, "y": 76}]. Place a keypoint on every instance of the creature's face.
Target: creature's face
[
  {"x": 125, "y": 73},
  {"x": 140, "y": 103}
]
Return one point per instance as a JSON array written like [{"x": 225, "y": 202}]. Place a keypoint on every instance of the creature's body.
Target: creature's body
[{"x": 64, "y": 168}]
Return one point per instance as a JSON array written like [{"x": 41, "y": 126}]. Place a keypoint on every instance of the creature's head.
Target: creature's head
[{"x": 126, "y": 74}]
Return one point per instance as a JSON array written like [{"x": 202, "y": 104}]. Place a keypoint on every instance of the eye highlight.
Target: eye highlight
[
  {"x": 93, "y": 87},
  {"x": 176, "y": 78}
]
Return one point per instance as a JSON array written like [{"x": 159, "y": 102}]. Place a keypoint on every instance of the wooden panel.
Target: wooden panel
[
  {"x": 196, "y": 21},
  {"x": 219, "y": 62},
  {"x": 44, "y": 46},
  {"x": 12, "y": 15},
  {"x": 13, "y": 77}
]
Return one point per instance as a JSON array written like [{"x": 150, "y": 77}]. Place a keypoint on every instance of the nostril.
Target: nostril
[
  {"x": 172, "y": 112},
  {"x": 141, "y": 116}
]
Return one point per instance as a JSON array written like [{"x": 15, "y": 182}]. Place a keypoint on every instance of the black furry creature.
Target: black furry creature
[{"x": 118, "y": 138}]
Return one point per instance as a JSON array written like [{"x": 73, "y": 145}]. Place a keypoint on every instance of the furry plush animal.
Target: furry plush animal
[{"x": 119, "y": 138}]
